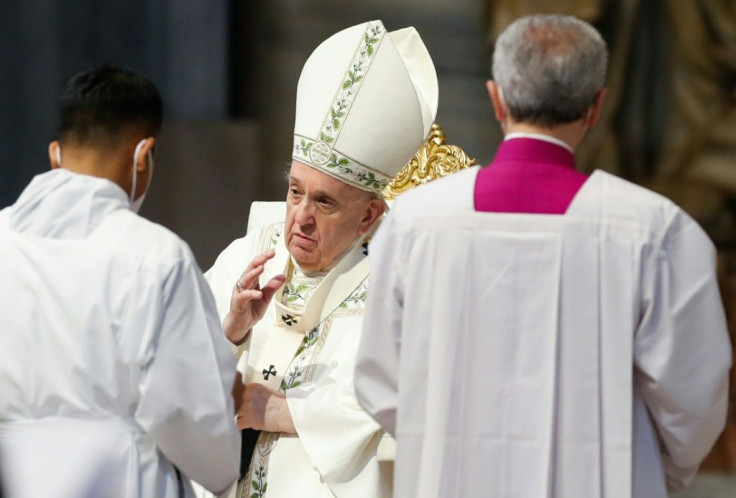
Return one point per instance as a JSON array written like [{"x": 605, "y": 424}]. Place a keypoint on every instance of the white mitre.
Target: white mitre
[{"x": 365, "y": 102}]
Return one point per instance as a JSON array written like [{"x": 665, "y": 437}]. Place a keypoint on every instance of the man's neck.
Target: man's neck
[
  {"x": 569, "y": 133},
  {"x": 539, "y": 136},
  {"x": 99, "y": 163}
]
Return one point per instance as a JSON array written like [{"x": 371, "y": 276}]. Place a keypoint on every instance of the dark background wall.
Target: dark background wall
[{"x": 182, "y": 46}]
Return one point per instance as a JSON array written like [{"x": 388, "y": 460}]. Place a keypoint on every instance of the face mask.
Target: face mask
[
  {"x": 58, "y": 155},
  {"x": 135, "y": 204}
]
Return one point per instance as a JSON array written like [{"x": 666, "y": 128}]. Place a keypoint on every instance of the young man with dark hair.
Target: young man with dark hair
[{"x": 116, "y": 377}]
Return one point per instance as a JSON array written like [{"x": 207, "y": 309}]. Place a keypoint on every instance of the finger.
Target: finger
[
  {"x": 241, "y": 300},
  {"x": 254, "y": 269},
  {"x": 272, "y": 286},
  {"x": 261, "y": 259},
  {"x": 249, "y": 278}
]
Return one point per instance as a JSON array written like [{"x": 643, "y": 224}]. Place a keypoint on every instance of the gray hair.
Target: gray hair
[{"x": 549, "y": 68}]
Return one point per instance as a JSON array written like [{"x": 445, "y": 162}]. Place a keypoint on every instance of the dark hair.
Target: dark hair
[{"x": 103, "y": 102}]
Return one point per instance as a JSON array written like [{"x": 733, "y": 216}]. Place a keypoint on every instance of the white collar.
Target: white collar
[{"x": 540, "y": 136}]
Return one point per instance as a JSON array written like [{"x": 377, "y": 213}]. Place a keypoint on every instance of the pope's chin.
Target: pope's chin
[{"x": 305, "y": 257}]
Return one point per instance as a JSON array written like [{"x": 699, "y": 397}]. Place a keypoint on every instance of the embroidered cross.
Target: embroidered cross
[
  {"x": 271, "y": 371},
  {"x": 289, "y": 319},
  {"x": 365, "y": 248}
]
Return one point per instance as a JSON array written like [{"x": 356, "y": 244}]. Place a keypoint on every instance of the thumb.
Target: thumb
[{"x": 272, "y": 286}]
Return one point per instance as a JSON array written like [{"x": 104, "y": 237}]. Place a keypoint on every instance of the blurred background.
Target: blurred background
[{"x": 228, "y": 71}]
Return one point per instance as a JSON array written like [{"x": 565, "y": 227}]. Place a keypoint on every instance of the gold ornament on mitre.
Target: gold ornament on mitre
[{"x": 434, "y": 159}]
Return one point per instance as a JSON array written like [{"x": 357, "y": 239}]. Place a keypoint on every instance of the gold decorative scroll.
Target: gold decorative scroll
[{"x": 434, "y": 159}]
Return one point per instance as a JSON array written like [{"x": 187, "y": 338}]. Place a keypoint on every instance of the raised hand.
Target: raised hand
[{"x": 249, "y": 301}]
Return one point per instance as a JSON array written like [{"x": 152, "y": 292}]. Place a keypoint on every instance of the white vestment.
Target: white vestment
[
  {"x": 335, "y": 451},
  {"x": 516, "y": 355},
  {"x": 114, "y": 370}
]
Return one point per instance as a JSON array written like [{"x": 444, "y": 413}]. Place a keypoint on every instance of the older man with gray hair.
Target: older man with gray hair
[
  {"x": 541, "y": 332},
  {"x": 292, "y": 292}
]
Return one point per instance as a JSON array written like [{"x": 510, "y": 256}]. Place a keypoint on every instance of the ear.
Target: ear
[
  {"x": 55, "y": 154},
  {"x": 499, "y": 105},
  {"x": 142, "y": 159},
  {"x": 373, "y": 211},
  {"x": 594, "y": 113}
]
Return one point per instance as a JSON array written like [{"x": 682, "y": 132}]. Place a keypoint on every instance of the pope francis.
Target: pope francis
[{"x": 366, "y": 100}]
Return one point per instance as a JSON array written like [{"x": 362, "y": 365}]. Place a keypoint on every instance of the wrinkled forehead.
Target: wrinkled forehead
[{"x": 315, "y": 181}]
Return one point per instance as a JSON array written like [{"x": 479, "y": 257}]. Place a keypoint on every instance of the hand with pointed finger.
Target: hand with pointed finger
[{"x": 249, "y": 301}]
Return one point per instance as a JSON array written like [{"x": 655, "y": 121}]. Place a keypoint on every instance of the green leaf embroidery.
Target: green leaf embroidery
[{"x": 259, "y": 485}]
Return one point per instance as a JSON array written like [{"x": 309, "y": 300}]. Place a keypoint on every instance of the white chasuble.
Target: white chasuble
[
  {"x": 305, "y": 346},
  {"x": 515, "y": 355}
]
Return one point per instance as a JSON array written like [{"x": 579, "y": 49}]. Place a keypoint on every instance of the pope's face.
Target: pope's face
[{"x": 324, "y": 216}]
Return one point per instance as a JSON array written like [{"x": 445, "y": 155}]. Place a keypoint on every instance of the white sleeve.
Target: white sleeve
[
  {"x": 187, "y": 373},
  {"x": 339, "y": 437},
  {"x": 682, "y": 350},
  {"x": 377, "y": 364}
]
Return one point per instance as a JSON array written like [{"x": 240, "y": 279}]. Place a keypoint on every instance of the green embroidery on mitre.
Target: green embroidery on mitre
[
  {"x": 319, "y": 152},
  {"x": 339, "y": 166},
  {"x": 351, "y": 81}
]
